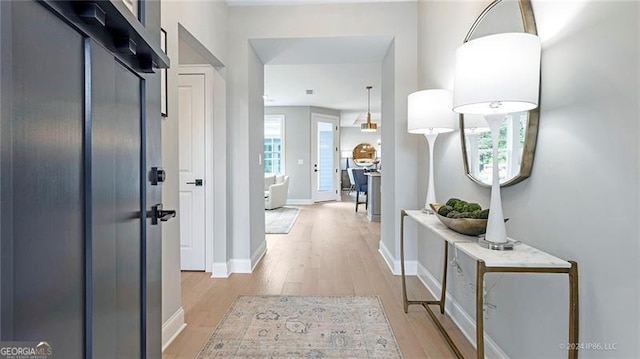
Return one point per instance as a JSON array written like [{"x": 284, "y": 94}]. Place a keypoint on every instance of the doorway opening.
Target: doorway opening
[
  {"x": 202, "y": 152},
  {"x": 310, "y": 78}
]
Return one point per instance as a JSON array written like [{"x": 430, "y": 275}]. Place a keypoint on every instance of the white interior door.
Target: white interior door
[
  {"x": 191, "y": 107},
  {"x": 324, "y": 158}
]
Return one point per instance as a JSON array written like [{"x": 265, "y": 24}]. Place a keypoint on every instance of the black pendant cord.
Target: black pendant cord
[{"x": 369, "y": 104}]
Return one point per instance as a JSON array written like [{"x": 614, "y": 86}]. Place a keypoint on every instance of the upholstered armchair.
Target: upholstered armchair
[
  {"x": 360, "y": 182},
  {"x": 275, "y": 195}
]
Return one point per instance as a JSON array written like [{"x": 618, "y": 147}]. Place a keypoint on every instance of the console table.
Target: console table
[{"x": 523, "y": 259}]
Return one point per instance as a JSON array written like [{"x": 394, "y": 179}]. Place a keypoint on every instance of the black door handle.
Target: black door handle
[
  {"x": 157, "y": 213},
  {"x": 198, "y": 182},
  {"x": 157, "y": 176}
]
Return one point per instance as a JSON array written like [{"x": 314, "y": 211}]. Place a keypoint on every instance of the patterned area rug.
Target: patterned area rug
[
  {"x": 280, "y": 220},
  {"x": 303, "y": 327}
]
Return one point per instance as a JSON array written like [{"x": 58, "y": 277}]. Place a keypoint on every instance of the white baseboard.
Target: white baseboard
[
  {"x": 256, "y": 257},
  {"x": 172, "y": 328},
  {"x": 463, "y": 320},
  {"x": 386, "y": 255},
  {"x": 239, "y": 266},
  {"x": 299, "y": 202},
  {"x": 220, "y": 270},
  {"x": 410, "y": 267}
]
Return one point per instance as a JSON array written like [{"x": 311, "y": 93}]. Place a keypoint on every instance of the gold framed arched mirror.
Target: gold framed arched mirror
[
  {"x": 364, "y": 154},
  {"x": 519, "y": 131}
]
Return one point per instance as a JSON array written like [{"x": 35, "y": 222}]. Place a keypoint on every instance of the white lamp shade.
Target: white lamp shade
[
  {"x": 475, "y": 123},
  {"x": 429, "y": 111},
  {"x": 497, "y": 74}
]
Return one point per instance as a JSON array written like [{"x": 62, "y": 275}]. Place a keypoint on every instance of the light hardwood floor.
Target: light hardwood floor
[{"x": 331, "y": 250}]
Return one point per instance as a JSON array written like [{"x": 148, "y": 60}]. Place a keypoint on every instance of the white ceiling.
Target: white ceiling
[
  {"x": 302, "y": 2},
  {"x": 337, "y": 69},
  {"x": 339, "y": 87}
]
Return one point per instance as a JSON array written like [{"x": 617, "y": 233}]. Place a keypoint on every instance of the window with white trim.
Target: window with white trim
[{"x": 274, "y": 144}]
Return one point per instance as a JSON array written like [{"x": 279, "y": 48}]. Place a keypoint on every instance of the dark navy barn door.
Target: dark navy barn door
[
  {"x": 79, "y": 133},
  {"x": 116, "y": 209}
]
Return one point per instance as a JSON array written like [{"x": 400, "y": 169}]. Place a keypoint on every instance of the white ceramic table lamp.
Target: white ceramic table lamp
[
  {"x": 496, "y": 75},
  {"x": 429, "y": 113}
]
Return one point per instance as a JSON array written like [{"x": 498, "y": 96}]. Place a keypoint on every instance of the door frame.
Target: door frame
[
  {"x": 208, "y": 72},
  {"x": 315, "y": 116}
]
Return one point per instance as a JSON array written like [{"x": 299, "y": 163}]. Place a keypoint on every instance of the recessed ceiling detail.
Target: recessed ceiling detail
[
  {"x": 322, "y": 50},
  {"x": 337, "y": 87},
  {"x": 336, "y": 69}
]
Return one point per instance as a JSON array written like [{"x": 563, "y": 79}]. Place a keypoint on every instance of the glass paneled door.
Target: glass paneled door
[{"x": 324, "y": 178}]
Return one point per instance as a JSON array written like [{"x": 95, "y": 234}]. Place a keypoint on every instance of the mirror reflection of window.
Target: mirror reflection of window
[
  {"x": 273, "y": 144},
  {"x": 479, "y": 146},
  {"x": 519, "y": 131}
]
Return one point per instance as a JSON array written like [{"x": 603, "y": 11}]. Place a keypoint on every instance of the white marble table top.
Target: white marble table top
[{"x": 521, "y": 256}]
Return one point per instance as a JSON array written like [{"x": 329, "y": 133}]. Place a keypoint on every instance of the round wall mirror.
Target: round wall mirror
[
  {"x": 519, "y": 131},
  {"x": 364, "y": 155}
]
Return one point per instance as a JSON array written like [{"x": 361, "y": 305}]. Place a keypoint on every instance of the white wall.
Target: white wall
[
  {"x": 206, "y": 22},
  {"x": 256, "y": 171},
  {"x": 581, "y": 201},
  {"x": 255, "y": 22},
  {"x": 298, "y": 147},
  {"x": 189, "y": 56}
]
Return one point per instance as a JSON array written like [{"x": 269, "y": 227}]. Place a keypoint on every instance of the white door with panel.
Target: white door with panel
[
  {"x": 324, "y": 158},
  {"x": 191, "y": 108}
]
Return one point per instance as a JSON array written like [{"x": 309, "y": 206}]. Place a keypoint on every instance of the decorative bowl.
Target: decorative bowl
[{"x": 468, "y": 226}]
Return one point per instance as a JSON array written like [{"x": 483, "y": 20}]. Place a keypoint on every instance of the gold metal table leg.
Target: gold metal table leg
[
  {"x": 405, "y": 302},
  {"x": 426, "y": 303},
  {"x": 480, "y": 271},
  {"x": 573, "y": 300},
  {"x": 443, "y": 291},
  {"x": 573, "y": 311}
]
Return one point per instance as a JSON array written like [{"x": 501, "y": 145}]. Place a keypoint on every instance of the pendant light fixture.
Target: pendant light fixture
[{"x": 369, "y": 126}]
